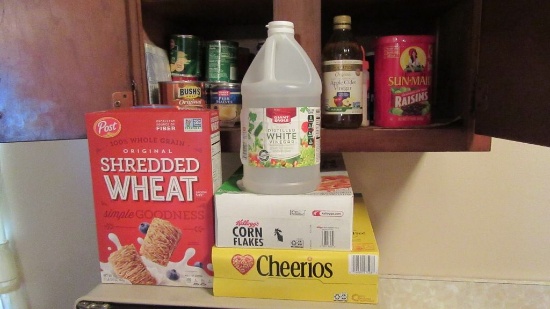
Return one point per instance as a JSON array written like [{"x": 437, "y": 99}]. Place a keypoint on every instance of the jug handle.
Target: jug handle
[{"x": 269, "y": 72}]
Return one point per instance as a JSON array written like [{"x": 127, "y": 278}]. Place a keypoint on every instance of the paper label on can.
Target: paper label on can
[
  {"x": 185, "y": 94},
  {"x": 342, "y": 87},
  {"x": 282, "y": 137},
  {"x": 221, "y": 61},
  {"x": 184, "y": 56}
]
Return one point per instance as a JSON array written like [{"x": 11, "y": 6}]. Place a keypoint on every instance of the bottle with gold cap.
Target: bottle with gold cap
[{"x": 342, "y": 77}]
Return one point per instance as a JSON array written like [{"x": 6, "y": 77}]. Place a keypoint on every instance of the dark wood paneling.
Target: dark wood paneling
[
  {"x": 306, "y": 16},
  {"x": 372, "y": 139},
  {"x": 59, "y": 60},
  {"x": 513, "y": 93}
]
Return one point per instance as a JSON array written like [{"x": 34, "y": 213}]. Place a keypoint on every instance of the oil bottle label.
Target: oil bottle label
[
  {"x": 342, "y": 87},
  {"x": 282, "y": 137}
]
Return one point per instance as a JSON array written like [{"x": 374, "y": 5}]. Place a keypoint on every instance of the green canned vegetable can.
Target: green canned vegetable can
[
  {"x": 221, "y": 61},
  {"x": 184, "y": 56}
]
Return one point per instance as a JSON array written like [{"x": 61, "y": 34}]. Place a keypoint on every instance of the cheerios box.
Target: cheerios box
[
  {"x": 154, "y": 173},
  {"x": 313, "y": 275},
  {"x": 319, "y": 220}
]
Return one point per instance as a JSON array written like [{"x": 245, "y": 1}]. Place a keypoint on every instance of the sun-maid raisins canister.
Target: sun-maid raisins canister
[
  {"x": 185, "y": 63},
  {"x": 403, "y": 80}
]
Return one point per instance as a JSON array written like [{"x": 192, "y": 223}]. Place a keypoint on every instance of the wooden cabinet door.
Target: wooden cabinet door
[
  {"x": 513, "y": 88},
  {"x": 60, "y": 59}
]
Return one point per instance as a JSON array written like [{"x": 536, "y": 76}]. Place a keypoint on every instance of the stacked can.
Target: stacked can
[
  {"x": 222, "y": 76},
  {"x": 221, "y": 61},
  {"x": 226, "y": 98},
  {"x": 183, "y": 93},
  {"x": 185, "y": 57}
]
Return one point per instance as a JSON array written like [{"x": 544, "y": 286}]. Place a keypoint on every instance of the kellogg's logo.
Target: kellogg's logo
[
  {"x": 107, "y": 127},
  {"x": 327, "y": 213}
]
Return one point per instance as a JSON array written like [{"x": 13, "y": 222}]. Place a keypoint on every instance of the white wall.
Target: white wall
[{"x": 467, "y": 215}]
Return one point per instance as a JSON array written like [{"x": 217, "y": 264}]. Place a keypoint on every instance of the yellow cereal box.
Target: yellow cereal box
[{"x": 314, "y": 275}]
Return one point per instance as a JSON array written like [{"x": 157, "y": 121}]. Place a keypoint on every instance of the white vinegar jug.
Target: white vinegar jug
[{"x": 281, "y": 117}]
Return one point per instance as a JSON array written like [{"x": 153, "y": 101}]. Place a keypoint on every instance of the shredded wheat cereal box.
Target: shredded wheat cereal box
[
  {"x": 154, "y": 172},
  {"x": 314, "y": 275},
  {"x": 319, "y": 220}
]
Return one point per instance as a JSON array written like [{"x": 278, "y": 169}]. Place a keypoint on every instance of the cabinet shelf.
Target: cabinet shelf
[
  {"x": 451, "y": 137},
  {"x": 471, "y": 81},
  {"x": 313, "y": 20}
]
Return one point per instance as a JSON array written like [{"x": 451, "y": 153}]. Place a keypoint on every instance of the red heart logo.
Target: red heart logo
[{"x": 242, "y": 263}]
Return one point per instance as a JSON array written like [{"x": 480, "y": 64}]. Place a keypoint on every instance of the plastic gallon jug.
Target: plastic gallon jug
[{"x": 280, "y": 118}]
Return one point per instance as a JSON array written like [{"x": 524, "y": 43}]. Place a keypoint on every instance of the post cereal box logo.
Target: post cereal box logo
[
  {"x": 242, "y": 263},
  {"x": 107, "y": 127}
]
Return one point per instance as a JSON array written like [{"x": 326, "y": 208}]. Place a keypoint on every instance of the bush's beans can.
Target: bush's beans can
[
  {"x": 227, "y": 99},
  {"x": 403, "y": 80},
  {"x": 182, "y": 93},
  {"x": 221, "y": 61},
  {"x": 185, "y": 63}
]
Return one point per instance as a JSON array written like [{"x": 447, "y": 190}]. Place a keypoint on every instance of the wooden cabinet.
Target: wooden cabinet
[
  {"x": 59, "y": 60},
  {"x": 313, "y": 25},
  {"x": 489, "y": 81}
]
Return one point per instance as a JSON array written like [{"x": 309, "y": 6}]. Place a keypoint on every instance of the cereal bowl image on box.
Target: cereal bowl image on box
[{"x": 154, "y": 172}]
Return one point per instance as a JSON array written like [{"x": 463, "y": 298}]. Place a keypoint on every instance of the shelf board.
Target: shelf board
[
  {"x": 375, "y": 139},
  {"x": 187, "y": 297}
]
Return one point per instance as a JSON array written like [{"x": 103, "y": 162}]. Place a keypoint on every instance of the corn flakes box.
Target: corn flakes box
[
  {"x": 154, "y": 172},
  {"x": 319, "y": 220},
  {"x": 313, "y": 275}
]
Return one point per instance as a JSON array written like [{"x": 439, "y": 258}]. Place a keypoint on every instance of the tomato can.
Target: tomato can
[
  {"x": 182, "y": 93},
  {"x": 227, "y": 99},
  {"x": 403, "y": 80},
  {"x": 221, "y": 61},
  {"x": 185, "y": 60}
]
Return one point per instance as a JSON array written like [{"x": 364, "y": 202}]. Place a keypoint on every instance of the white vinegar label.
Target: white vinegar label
[
  {"x": 282, "y": 137},
  {"x": 342, "y": 87}
]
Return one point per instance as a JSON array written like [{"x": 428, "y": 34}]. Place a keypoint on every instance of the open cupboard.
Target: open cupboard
[
  {"x": 489, "y": 81},
  {"x": 453, "y": 128},
  {"x": 471, "y": 86}
]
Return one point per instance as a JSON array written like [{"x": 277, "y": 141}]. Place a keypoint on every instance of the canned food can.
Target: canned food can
[
  {"x": 185, "y": 78},
  {"x": 403, "y": 80},
  {"x": 184, "y": 56},
  {"x": 227, "y": 99},
  {"x": 221, "y": 61},
  {"x": 182, "y": 93}
]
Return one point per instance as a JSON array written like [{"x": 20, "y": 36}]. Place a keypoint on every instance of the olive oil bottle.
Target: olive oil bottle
[{"x": 342, "y": 57}]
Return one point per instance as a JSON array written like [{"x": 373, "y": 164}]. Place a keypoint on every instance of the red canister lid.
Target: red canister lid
[{"x": 406, "y": 39}]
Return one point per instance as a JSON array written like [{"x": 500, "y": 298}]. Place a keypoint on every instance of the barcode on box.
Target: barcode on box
[
  {"x": 192, "y": 125},
  {"x": 363, "y": 264},
  {"x": 327, "y": 238}
]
